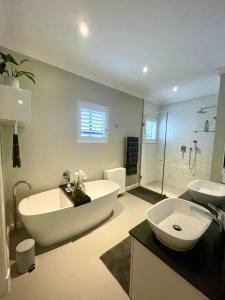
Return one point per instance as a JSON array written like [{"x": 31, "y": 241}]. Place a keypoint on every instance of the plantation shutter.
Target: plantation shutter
[
  {"x": 150, "y": 130},
  {"x": 93, "y": 123}
]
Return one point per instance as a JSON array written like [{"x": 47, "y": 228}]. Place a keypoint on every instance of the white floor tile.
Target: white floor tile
[{"x": 74, "y": 270}]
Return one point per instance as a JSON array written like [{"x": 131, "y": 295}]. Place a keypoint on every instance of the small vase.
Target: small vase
[{"x": 11, "y": 81}]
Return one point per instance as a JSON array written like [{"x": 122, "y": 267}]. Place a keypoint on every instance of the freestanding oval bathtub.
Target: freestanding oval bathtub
[{"x": 50, "y": 217}]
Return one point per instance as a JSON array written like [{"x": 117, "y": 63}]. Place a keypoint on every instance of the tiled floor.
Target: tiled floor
[
  {"x": 74, "y": 270},
  {"x": 168, "y": 190}
]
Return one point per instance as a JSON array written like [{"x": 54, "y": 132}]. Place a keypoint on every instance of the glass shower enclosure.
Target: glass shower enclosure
[{"x": 177, "y": 146}]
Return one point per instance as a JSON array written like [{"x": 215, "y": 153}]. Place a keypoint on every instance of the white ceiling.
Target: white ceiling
[{"x": 182, "y": 42}]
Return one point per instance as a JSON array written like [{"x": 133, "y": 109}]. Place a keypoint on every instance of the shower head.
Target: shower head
[{"x": 202, "y": 110}]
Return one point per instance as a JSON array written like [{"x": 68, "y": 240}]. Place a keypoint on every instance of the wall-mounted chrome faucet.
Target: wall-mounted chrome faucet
[
  {"x": 219, "y": 219},
  {"x": 15, "y": 202}
]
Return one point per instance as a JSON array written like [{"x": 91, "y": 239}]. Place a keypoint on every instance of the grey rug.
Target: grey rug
[
  {"x": 117, "y": 260},
  {"x": 147, "y": 195}
]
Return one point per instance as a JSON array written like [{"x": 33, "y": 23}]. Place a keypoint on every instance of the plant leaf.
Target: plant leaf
[
  {"x": 2, "y": 68},
  {"x": 31, "y": 74},
  {"x": 30, "y": 77},
  {"x": 23, "y": 60},
  {"x": 11, "y": 59},
  {"x": 23, "y": 73},
  {"x": 3, "y": 56}
]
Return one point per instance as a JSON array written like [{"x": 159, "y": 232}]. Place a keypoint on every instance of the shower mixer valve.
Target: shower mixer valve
[{"x": 183, "y": 150}]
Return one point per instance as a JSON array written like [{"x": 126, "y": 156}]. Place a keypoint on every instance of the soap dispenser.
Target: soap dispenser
[{"x": 206, "y": 129}]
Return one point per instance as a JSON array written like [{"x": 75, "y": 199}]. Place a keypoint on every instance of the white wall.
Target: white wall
[
  {"x": 49, "y": 145},
  {"x": 149, "y": 151},
  {"x": 2, "y": 22}
]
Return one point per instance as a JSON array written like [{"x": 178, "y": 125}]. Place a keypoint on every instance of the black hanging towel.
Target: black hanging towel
[
  {"x": 16, "y": 149},
  {"x": 131, "y": 155}
]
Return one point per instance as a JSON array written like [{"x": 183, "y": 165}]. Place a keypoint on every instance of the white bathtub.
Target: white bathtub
[{"x": 50, "y": 217}]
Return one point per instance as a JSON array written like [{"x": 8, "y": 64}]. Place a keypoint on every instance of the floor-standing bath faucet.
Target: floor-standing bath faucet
[{"x": 15, "y": 202}]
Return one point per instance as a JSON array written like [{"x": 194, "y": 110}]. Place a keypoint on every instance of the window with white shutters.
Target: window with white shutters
[
  {"x": 150, "y": 130},
  {"x": 92, "y": 123}
]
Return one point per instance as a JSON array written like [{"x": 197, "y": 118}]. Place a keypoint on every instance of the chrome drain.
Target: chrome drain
[{"x": 177, "y": 227}]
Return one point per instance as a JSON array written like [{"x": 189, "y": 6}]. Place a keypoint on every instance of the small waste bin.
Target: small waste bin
[{"x": 25, "y": 256}]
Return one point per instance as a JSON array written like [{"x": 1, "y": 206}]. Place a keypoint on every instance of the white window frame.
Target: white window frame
[
  {"x": 148, "y": 140},
  {"x": 91, "y": 139}
]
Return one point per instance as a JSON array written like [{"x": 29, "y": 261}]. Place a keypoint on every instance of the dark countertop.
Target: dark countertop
[{"x": 203, "y": 266}]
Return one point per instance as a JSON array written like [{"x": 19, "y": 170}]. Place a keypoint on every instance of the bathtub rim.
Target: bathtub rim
[{"x": 116, "y": 187}]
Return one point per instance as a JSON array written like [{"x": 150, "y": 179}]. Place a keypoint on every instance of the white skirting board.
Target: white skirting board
[{"x": 131, "y": 187}]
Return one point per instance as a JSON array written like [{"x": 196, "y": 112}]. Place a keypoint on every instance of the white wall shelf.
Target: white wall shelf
[
  {"x": 15, "y": 104},
  {"x": 209, "y": 131}
]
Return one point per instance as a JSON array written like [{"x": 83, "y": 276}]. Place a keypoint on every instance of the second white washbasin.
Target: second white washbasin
[
  {"x": 176, "y": 224},
  {"x": 205, "y": 191}
]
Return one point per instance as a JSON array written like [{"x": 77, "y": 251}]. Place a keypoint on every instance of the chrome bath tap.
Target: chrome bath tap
[
  {"x": 15, "y": 202},
  {"x": 220, "y": 218},
  {"x": 66, "y": 176}
]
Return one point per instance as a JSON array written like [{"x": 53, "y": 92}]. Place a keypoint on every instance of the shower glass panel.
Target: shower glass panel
[
  {"x": 182, "y": 150},
  {"x": 189, "y": 147},
  {"x": 152, "y": 162}
]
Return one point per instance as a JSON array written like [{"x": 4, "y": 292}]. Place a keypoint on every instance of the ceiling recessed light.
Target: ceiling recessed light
[
  {"x": 20, "y": 101},
  {"x": 175, "y": 89},
  {"x": 145, "y": 69},
  {"x": 84, "y": 31}
]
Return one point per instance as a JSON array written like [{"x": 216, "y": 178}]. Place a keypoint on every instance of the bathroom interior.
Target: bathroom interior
[{"x": 112, "y": 150}]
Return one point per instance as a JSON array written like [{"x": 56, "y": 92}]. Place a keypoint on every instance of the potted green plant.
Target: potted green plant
[{"x": 10, "y": 70}]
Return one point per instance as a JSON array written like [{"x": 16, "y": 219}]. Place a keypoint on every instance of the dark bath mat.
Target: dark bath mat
[
  {"x": 147, "y": 195},
  {"x": 117, "y": 260}
]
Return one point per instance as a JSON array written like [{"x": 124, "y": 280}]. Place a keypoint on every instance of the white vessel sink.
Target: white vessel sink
[
  {"x": 176, "y": 224},
  {"x": 205, "y": 192}
]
